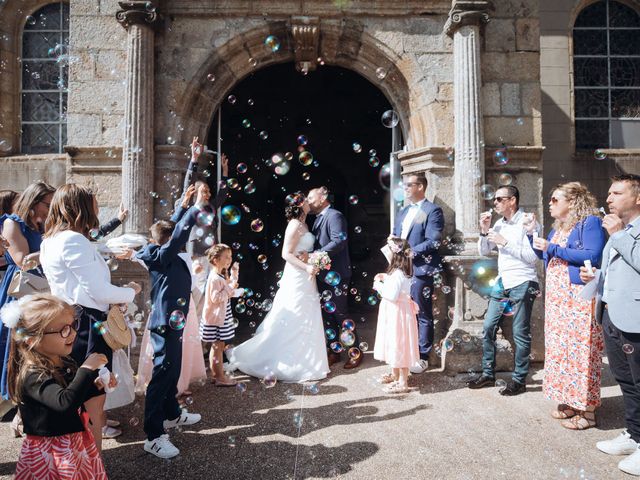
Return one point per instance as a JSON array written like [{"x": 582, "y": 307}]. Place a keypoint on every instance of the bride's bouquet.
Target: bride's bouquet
[{"x": 320, "y": 260}]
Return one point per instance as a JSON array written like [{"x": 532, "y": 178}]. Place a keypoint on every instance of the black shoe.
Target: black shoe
[
  {"x": 513, "y": 388},
  {"x": 481, "y": 381}
]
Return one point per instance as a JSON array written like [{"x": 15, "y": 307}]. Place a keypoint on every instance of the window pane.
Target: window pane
[
  {"x": 47, "y": 18},
  {"x": 65, "y": 16},
  {"x": 37, "y": 44},
  {"x": 592, "y": 103},
  {"x": 590, "y": 42},
  {"x": 40, "y": 107},
  {"x": 593, "y": 16},
  {"x": 41, "y": 138},
  {"x": 622, "y": 16},
  {"x": 624, "y": 42},
  {"x": 625, "y": 72},
  {"x": 590, "y": 72},
  {"x": 625, "y": 103},
  {"x": 40, "y": 75},
  {"x": 592, "y": 134}
]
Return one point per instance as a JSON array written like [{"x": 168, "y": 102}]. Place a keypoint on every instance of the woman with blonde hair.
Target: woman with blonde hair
[
  {"x": 78, "y": 275},
  {"x": 573, "y": 339}
]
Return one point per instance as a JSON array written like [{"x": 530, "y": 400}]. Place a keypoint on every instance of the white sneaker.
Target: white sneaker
[
  {"x": 631, "y": 464},
  {"x": 161, "y": 447},
  {"x": 419, "y": 367},
  {"x": 623, "y": 444},
  {"x": 185, "y": 418},
  {"x": 110, "y": 432}
]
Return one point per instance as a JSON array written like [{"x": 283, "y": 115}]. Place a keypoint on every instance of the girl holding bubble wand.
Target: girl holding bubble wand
[
  {"x": 217, "y": 323},
  {"x": 397, "y": 332},
  {"x": 50, "y": 389}
]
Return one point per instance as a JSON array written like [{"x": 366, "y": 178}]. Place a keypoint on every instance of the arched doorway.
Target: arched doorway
[{"x": 334, "y": 108}]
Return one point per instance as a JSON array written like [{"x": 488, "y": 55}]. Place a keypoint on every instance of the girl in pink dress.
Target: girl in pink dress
[{"x": 397, "y": 333}]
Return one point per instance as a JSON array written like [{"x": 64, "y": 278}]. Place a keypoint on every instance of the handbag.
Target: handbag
[
  {"x": 124, "y": 393},
  {"x": 25, "y": 283},
  {"x": 117, "y": 333}
]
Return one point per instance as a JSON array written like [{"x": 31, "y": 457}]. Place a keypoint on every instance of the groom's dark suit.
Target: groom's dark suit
[{"x": 330, "y": 230}]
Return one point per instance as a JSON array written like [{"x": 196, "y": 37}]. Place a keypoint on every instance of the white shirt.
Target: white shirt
[
  {"x": 77, "y": 274},
  {"x": 409, "y": 218},
  {"x": 516, "y": 260}
]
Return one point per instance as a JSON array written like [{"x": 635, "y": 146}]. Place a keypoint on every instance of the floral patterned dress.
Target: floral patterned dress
[{"x": 573, "y": 339}]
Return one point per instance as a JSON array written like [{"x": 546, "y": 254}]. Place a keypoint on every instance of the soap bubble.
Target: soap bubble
[
  {"x": 353, "y": 199},
  {"x": 313, "y": 389},
  {"x": 390, "y": 119},
  {"x": 283, "y": 168},
  {"x": 306, "y": 176},
  {"x": 246, "y": 123},
  {"x": 242, "y": 168},
  {"x": 99, "y": 327},
  {"x": 356, "y": 147},
  {"x": 302, "y": 140},
  {"x": 272, "y": 42},
  {"x": 205, "y": 218},
  {"x": 241, "y": 308},
  {"x": 95, "y": 233},
  {"x": 348, "y": 324},
  {"x": 30, "y": 20},
  {"x": 500, "y": 157},
  {"x": 354, "y": 353},
  {"x": 446, "y": 289},
  {"x": 276, "y": 158},
  {"x": 374, "y": 161},
  {"x": 329, "y": 307},
  {"x": 181, "y": 302},
  {"x": 252, "y": 62},
  {"x": 357, "y": 229},
  {"x": 627, "y": 348},
  {"x": 232, "y": 99},
  {"x": 488, "y": 192},
  {"x": 600, "y": 154},
  {"x": 269, "y": 380},
  {"x": 305, "y": 158},
  {"x": 336, "y": 347},
  {"x": 447, "y": 344},
  {"x": 500, "y": 383},
  {"x": 231, "y": 215},
  {"x": 505, "y": 179},
  {"x": 171, "y": 140},
  {"x": 177, "y": 320},
  {"x": 372, "y": 300},
  {"x": 330, "y": 333},
  {"x": 134, "y": 421},
  {"x": 364, "y": 346},
  {"x": 384, "y": 176},
  {"x": 262, "y": 258},
  {"x": 508, "y": 308},
  {"x": 520, "y": 121},
  {"x": 381, "y": 73},
  {"x": 249, "y": 188},
  {"x": 347, "y": 338},
  {"x": 264, "y": 134},
  {"x": 211, "y": 77},
  {"x": 113, "y": 265},
  {"x": 257, "y": 225},
  {"x": 332, "y": 278},
  {"x": 233, "y": 183},
  {"x": 241, "y": 387}
]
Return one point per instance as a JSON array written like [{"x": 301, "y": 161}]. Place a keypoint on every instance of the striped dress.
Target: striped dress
[{"x": 213, "y": 333}]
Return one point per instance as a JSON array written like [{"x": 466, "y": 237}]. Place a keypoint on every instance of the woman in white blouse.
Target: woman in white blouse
[{"x": 78, "y": 275}]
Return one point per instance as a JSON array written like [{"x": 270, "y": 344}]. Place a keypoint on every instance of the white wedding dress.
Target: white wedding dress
[{"x": 289, "y": 344}]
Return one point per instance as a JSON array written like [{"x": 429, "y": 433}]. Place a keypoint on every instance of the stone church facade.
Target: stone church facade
[{"x": 474, "y": 76}]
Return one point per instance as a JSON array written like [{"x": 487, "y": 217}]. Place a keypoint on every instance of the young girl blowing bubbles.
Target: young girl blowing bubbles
[
  {"x": 217, "y": 319},
  {"x": 50, "y": 389},
  {"x": 397, "y": 332}
]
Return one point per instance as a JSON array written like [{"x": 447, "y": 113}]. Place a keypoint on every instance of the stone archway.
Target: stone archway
[{"x": 340, "y": 43}]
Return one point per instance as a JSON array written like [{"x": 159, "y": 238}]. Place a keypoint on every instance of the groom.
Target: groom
[{"x": 330, "y": 230}]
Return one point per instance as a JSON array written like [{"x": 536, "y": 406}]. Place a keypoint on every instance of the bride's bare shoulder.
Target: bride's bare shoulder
[{"x": 297, "y": 226}]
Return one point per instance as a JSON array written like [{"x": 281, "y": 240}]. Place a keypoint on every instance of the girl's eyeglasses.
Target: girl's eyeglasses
[{"x": 65, "y": 331}]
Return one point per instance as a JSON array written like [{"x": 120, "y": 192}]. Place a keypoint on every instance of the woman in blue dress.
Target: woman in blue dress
[{"x": 23, "y": 231}]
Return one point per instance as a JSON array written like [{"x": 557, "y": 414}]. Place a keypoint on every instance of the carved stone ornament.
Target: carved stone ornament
[
  {"x": 467, "y": 12},
  {"x": 137, "y": 13},
  {"x": 306, "y": 38}
]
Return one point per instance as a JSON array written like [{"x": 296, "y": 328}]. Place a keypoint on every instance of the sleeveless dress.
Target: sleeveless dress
[
  {"x": 289, "y": 344},
  {"x": 34, "y": 239}
]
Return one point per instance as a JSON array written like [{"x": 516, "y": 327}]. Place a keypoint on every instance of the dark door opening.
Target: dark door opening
[{"x": 339, "y": 114}]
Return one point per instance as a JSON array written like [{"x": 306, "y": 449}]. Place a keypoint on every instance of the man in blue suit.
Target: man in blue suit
[
  {"x": 421, "y": 224},
  {"x": 330, "y": 230},
  {"x": 617, "y": 288}
]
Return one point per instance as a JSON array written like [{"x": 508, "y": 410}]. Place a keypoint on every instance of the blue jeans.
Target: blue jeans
[{"x": 520, "y": 302}]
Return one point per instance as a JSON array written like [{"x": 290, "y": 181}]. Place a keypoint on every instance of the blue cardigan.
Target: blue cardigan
[{"x": 586, "y": 242}]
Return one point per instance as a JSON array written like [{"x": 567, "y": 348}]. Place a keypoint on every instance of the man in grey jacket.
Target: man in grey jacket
[{"x": 618, "y": 309}]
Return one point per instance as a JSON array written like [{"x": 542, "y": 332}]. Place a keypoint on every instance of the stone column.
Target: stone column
[
  {"x": 465, "y": 19},
  {"x": 138, "y": 17}
]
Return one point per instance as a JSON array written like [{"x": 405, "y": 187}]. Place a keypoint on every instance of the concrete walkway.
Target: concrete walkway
[{"x": 350, "y": 429}]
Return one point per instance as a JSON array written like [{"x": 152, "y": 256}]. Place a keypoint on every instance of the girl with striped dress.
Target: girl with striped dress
[{"x": 217, "y": 324}]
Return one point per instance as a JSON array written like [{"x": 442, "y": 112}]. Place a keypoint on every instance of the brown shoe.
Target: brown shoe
[
  {"x": 353, "y": 363},
  {"x": 333, "y": 358}
]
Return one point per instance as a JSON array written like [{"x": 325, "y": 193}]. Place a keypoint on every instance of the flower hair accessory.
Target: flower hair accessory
[
  {"x": 393, "y": 246},
  {"x": 12, "y": 311}
]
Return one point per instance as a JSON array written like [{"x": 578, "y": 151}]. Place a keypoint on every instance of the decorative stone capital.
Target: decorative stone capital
[
  {"x": 306, "y": 38},
  {"x": 137, "y": 13},
  {"x": 467, "y": 12}
]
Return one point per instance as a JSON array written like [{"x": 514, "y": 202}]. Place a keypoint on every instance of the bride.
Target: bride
[{"x": 289, "y": 344}]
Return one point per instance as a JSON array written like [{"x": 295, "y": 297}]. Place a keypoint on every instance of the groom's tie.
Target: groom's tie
[{"x": 316, "y": 223}]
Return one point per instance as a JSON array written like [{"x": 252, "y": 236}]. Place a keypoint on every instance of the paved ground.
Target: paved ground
[{"x": 350, "y": 429}]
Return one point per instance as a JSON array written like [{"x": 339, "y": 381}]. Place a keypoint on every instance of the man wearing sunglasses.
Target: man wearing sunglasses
[
  {"x": 514, "y": 290},
  {"x": 421, "y": 224}
]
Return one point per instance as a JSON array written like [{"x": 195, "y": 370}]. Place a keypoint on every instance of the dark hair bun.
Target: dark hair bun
[{"x": 292, "y": 212}]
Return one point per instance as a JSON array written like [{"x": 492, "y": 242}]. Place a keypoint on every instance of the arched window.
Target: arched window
[
  {"x": 606, "y": 69},
  {"x": 44, "y": 79}
]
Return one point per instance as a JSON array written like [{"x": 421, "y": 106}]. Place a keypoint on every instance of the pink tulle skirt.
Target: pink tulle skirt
[{"x": 397, "y": 333}]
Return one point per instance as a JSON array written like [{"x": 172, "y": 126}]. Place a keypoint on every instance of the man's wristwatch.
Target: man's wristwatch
[{"x": 484, "y": 234}]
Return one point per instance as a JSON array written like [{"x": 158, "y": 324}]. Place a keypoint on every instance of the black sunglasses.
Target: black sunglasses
[{"x": 501, "y": 199}]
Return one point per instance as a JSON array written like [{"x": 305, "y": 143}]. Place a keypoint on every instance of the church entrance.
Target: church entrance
[{"x": 286, "y": 132}]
